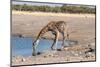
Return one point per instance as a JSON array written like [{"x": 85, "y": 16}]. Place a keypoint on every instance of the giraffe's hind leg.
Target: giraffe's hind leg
[{"x": 54, "y": 45}]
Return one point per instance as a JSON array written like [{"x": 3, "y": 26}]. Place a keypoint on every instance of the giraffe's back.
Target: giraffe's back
[
  {"x": 53, "y": 26},
  {"x": 56, "y": 24}
]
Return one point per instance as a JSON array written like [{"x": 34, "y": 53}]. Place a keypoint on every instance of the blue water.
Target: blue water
[{"x": 23, "y": 46}]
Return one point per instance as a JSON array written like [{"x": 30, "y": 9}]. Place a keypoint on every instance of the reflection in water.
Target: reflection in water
[{"x": 23, "y": 46}]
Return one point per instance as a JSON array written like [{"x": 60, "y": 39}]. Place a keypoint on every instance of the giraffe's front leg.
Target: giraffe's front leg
[
  {"x": 34, "y": 47},
  {"x": 54, "y": 45},
  {"x": 63, "y": 41}
]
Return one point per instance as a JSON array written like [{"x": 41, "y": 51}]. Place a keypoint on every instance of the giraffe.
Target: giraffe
[{"x": 55, "y": 27}]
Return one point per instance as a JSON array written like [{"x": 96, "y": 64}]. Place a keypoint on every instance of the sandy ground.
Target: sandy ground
[
  {"x": 77, "y": 53},
  {"x": 81, "y": 29}
]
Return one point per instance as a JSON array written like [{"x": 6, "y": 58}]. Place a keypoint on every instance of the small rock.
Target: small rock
[
  {"x": 23, "y": 59},
  {"x": 66, "y": 48},
  {"x": 76, "y": 54},
  {"x": 90, "y": 50},
  {"x": 87, "y": 56},
  {"x": 80, "y": 52},
  {"x": 45, "y": 56}
]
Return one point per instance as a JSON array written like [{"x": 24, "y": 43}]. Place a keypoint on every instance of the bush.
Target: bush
[{"x": 64, "y": 8}]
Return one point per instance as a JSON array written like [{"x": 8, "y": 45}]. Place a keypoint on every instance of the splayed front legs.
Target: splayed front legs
[
  {"x": 63, "y": 40},
  {"x": 55, "y": 27}
]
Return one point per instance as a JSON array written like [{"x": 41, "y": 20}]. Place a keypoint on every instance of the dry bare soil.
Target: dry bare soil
[{"x": 81, "y": 29}]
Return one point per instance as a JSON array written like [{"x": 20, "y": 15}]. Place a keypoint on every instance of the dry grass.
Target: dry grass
[{"x": 50, "y": 14}]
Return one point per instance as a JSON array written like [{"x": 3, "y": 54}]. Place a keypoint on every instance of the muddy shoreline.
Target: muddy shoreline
[{"x": 77, "y": 53}]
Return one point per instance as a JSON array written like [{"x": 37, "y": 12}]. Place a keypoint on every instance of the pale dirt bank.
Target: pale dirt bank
[
  {"x": 51, "y": 14},
  {"x": 29, "y": 24}
]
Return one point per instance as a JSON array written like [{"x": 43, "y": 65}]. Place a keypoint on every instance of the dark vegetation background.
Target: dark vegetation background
[{"x": 57, "y": 9}]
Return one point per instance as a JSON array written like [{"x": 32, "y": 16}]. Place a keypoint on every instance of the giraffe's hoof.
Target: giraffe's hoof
[
  {"x": 38, "y": 53},
  {"x": 53, "y": 49},
  {"x": 62, "y": 49},
  {"x": 59, "y": 49},
  {"x": 33, "y": 54}
]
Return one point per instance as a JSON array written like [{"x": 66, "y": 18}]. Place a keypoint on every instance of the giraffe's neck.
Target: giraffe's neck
[{"x": 42, "y": 32}]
